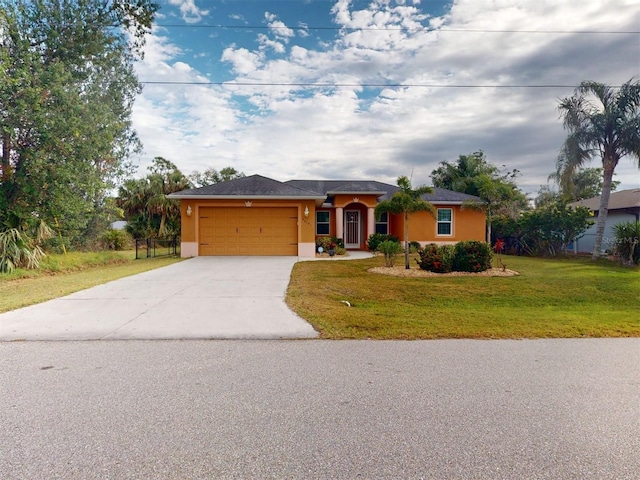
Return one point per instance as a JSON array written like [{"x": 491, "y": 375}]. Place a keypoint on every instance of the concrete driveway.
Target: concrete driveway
[{"x": 199, "y": 298}]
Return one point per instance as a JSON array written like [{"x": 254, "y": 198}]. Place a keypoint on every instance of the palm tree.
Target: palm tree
[
  {"x": 474, "y": 175},
  {"x": 161, "y": 185},
  {"x": 133, "y": 198},
  {"x": 406, "y": 201},
  {"x": 461, "y": 175},
  {"x": 604, "y": 122},
  {"x": 145, "y": 201}
]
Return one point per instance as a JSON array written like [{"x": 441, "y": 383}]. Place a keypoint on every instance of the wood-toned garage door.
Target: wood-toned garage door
[{"x": 248, "y": 231}]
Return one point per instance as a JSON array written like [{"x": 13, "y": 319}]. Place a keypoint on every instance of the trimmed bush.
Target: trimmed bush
[
  {"x": 375, "y": 239},
  {"x": 115, "y": 240},
  {"x": 390, "y": 249},
  {"x": 469, "y": 256},
  {"x": 472, "y": 256},
  {"x": 414, "y": 246},
  {"x": 436, "y": 258}
]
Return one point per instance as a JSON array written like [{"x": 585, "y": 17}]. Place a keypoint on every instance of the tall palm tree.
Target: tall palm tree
[
  {"x": 602, "y": 122},
  {"x": 161, "y": 185},
  {"x": 406, "y": 201}
]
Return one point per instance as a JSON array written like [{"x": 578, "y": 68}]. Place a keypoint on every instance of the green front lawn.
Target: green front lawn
[{"x": 571, "y": 297}]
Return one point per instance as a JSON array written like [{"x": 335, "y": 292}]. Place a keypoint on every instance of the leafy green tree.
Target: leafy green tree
[
  {"x": 546, "y": 196},
  {"x": 603, "y": 122},
  {"x": 496, "y": 196},
  {"x": 474, "y": 175},
  {"x": 405, "y": 201},
  {"x": 548, "y": 230},
  {"x": 67, "y": 86},
  {"x": 584, "y": 183},
  {"x": 211, "y": 176}
]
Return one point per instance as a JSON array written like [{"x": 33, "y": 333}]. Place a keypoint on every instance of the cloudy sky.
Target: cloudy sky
[{"x": 351, "y": 89}]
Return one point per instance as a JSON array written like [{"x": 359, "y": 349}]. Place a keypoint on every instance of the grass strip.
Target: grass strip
[{"x": 62, "y": 275}]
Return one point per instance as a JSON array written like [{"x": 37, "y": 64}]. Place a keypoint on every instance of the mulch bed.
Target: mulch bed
[{"x": 401, "y": 271}]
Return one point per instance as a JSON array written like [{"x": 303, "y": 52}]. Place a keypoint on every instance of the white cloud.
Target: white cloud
[
  {"x": 361, "y": 132},
  {"x": 278, "y": 27},
  {"x": 244, "y": 62},
  {"x": 191, "y": 13},
  {"x": 180, "y": 122},
  {"x": 267, "y": 43}
]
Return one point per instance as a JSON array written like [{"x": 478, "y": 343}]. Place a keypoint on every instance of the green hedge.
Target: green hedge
[
  {"x": 468, "y": 256},
  {"x": 375, "y": 239},
  {"x": 472, "y": 256}
]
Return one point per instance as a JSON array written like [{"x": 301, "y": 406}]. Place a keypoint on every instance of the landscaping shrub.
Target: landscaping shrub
[
  {"x": 436, "y": 258},
  {"x": 115, "y": 240},
  {"x": 390, "y": 249},
  {"x": 472, "y": 256},
  {"x": 627, "y": 241},
  {"x": 375, "y": 239},
  {"x": 331, "y": 243},
  {"x": 414, "y": 246}
]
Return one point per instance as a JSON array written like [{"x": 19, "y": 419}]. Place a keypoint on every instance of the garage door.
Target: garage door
[{"x": 248, "y": 231}]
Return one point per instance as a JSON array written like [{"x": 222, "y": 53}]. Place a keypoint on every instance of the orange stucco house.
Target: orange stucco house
[{"x": 257, "y": 215}]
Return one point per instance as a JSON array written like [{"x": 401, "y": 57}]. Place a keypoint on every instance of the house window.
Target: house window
[
  {"x": 382, "y": 225},
  {"x": 445, "y": 221},
  {"x": 322, "y": 223}
]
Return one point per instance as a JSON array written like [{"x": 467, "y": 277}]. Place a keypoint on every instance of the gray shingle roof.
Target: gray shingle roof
[
  {"x": 330, "y": 187},
  {"x": 259, "y": 186},
  {"x": 252, "y": 186},
  {"x": 449, "y": 196},
  {"x": 618, "y": 200}
]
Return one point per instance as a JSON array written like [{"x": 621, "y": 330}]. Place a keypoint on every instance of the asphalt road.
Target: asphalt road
[{"x": 308, "y": 409}]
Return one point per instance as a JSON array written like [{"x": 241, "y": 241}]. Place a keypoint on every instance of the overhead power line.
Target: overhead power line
[
  {"x": 353, "y": 85},
  {"x": 444, "y": 30}
]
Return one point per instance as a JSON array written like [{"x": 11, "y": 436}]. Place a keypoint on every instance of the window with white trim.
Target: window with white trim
[
  {"x": 382, "y": 225},
  {"x": 322, "y": 223},
  {"x": 445, "y": 222}
]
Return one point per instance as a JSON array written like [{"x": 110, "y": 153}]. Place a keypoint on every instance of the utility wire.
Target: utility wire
[
  {"x": 382, "y": 29},
  {"x": 353, "y": 85}
]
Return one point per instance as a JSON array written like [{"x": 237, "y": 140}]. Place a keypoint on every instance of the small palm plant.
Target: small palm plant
[
  {"x": 627, "y": 237},
  {"x": 406, "y": 201},
  {"x": 19, "y": 250}
]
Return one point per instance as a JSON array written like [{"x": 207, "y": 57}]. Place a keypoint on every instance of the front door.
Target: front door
[{"x": 352, "y": 229}]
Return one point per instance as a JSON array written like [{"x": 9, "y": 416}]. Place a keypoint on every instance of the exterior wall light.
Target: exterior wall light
[
  {"x": 306, "y": 211},
  {"x": 189, "y": 210}
]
